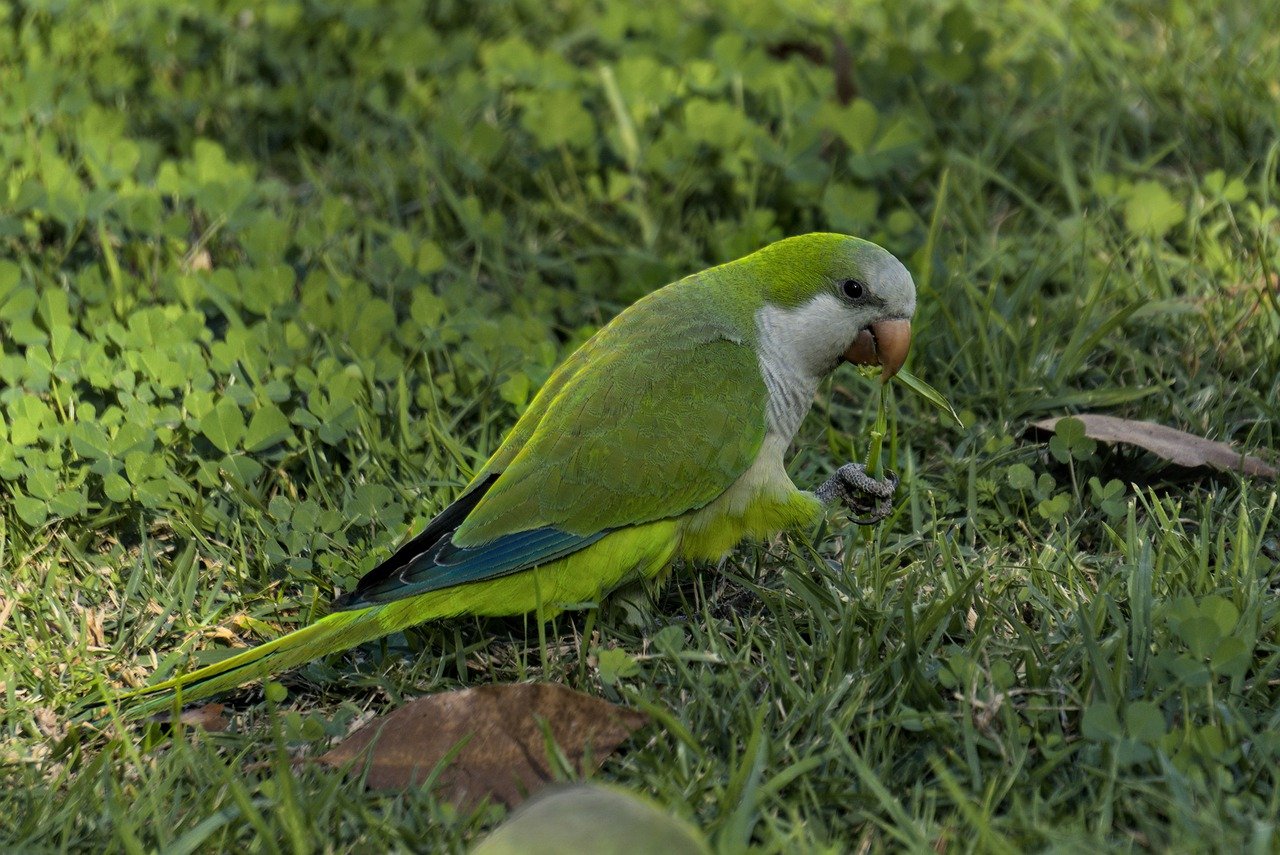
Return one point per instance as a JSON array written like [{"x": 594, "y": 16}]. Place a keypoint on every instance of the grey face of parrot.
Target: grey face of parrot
[
  {"x": 880, "y": 311},
  {"x": 859, "y": 312}
]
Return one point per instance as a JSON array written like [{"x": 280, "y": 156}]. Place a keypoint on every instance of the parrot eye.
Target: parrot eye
[{"x": 852, "y": 288}]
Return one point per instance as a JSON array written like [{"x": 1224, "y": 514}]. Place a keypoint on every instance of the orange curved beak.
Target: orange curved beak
[{"x": 885, "y": 344}]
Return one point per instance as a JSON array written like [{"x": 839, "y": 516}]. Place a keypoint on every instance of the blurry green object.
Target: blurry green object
[{"x": 594, "y": 818}]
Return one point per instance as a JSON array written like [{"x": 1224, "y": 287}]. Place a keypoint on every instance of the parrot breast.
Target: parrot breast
[{"x": 761, "y": 502}]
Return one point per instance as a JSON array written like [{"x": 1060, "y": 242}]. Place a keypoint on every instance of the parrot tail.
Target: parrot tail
[{"x": 334, "y": 632}]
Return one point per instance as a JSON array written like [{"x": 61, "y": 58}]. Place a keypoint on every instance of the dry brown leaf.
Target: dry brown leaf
[
  {"x": 199, "y": 260},
  {"x": 1173, "y": 445},
  {"x": 6, "y": 609},
  {"x": 493, "y": 737},
  {"x": 208, "y": 717},
  {"x": 48, "y": 722},
  {"x": 93, "y": 624}
]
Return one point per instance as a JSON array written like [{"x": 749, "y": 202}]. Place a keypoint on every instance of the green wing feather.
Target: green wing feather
[{"x": 654, "y": 417}]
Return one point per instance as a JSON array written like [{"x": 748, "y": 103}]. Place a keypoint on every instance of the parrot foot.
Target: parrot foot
[{"x": 870, "y": 498}]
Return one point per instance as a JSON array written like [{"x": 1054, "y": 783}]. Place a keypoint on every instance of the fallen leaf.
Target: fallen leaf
[
  {"x": 485, "y": 742},
  {"x": 48, "y": 723},
  {"x": 199, "y": 260},
  {"x": 208, "y": 717},
  {"x": 1173, "y": 445},
  {"x": 596, "y": 818},
  {"x": 6, "y": 609},
  {"x": 93, "y": 625}
]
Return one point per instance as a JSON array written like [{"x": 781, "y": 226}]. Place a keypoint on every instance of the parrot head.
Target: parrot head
[{"x": 832, "y": 298}]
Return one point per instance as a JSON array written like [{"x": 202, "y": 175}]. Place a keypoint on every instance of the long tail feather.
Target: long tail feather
[{"x": 337, "y": 631}]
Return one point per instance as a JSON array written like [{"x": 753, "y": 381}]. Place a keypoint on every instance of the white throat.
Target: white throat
[{"x": 798, "y": 347}]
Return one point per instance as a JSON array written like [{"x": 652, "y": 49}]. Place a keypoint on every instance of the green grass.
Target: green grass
[{"x": 273, "y": 282}]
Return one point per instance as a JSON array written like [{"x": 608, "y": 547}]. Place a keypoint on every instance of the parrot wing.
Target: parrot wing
[{"x": 644, "y": 422}]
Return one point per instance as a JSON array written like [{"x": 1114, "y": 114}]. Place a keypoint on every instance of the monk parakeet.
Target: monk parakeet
[{"x": 661, "y": 437}]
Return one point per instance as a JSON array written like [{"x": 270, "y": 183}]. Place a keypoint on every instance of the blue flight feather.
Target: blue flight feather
[{"x": 443, "y": 564}]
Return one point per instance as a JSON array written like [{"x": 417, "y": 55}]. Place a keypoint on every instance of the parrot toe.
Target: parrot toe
[{"x": 869, "y": 499}]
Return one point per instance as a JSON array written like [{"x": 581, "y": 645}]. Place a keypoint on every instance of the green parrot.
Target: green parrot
[{"x": 661, "y": 437}]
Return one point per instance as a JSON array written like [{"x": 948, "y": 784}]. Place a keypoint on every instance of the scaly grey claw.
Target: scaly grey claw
[{"x": 870, "y": 498}]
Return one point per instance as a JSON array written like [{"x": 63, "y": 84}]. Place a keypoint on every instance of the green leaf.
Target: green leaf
[
  {"x": 153, "y": 492},
  {"x": 930, "y": 394},
  {"x": 1111, "y": 490},
  {"x": 54, "y": 309},
  {"x": 1144, "y": 721},
  {"x": 224, "y": 426},
  {"x": 140, "y": 465},
  {"x": 90, "y": 440},
  {"x": 1060, "y": 448},
  {"x": 1070, "y": 442},
  {"x": 718, "y": 124},
  {"x": 330, "y": 433},
  {"x": 1069, "y": 430},
  {"x": 304, "y": 515},
  {"x": 243, "y": 470},
  {"x": 42, "y": 483},
  {"x": 1200, "y": 634},
  {"x": 1100, "y": 723},
  {"x": 132, "y": 437},
  {"x": 10, "y": 276},
  {"x": 856, "y": 123},
  {"x": 31, "y": 511},
  {"x": 1108, "y": 498},
  {"x": 116, "y": 487},
  {"x": 68, "y": 503},
  {"x": 669, "y": 639},
  {"x": 268, "y": 427},
  {"x": 1222, "y": 612},
  {"x": 28, "y": 417},
  {"x": 620, "y": 821},
  {"x": 557, "y": 118},
  {"x": 1130, "y": 752},
  {"x": 427, "y": 309},
  {"x": 1231, "y": 658},
  {"x": 516, "y": 389},
  {"x": 373, "y": 326},
  {"x": 1003, "y": 676},
  {"x": 850, "y": 208},
  {"x": 1151, "y": 210},
  {"x": 1020, "y": 476},
  {"x": 305, "y": 419},
  {"x": 429, "y": 258},
  {"x": 365, "y": 502},
  {"x": 1055, "y": 508},
  {"x": 615, "y": 664}
]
